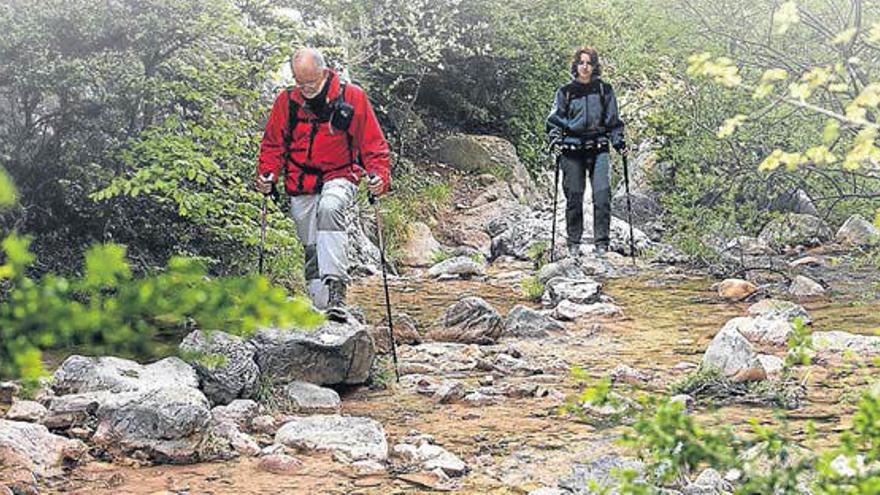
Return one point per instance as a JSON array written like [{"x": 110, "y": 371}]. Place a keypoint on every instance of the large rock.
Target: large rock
[
  {"x": 749, "y": 246},
  {"x": 308, "y": 398},
  {"x": 601, "y": 472},
  {"x": 79, "y": 374},
  {"x": 570, "y": 311},
  {"x": 32, "y": 447},
  {"x": 762, "y": 330},
  {"x": 67, "y": 411},
  {"x": 795, "y": 229},
  {"x": 779, "y": 309},
  {"x": 461, "y": 266},
  {"x": 469, "y": 321},
  {"x": 583, "y": 291},
  {"x": 804, "y": 287},
  {"x": 525, "y": 322},
  {"x": 794, "y": 201},
  {"x": 430, "y": 457},
  {"x": 420, "y": 246},
  {"x": 237, "y": 377},
  {"x": 733, "y": 355},
  {"x": 335, "y": 353},
  {"x": 857, "y": 231},
  {"x": 645, "y": 207},
  {"x": 481, "y": 154},
  {"x": 170, "y": 424},
  {"x": 355, "y": 438}
]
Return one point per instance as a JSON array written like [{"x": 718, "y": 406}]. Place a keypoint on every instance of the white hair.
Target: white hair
[{"x": 311, "y": 54}]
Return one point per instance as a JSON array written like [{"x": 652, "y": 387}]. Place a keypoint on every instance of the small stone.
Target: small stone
[
  {"x": 280, "y": 464},
  {"x": 263, "y": 424},
  {"x": 239, "y": 412},
  {"x": 806, "y": 261},
  {"x": 626, "y": 374},
  {"x": 803, "y": 287},
  {"x": 8, "y": 390},
  {"x": 449, "y": 391},
  {"x": 736, "y": 289},
  {"x": 478, "y": 399}
]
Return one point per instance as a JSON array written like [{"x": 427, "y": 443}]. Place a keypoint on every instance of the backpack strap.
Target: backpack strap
[
  {"x": 351, "y": 154},
  {"x": 292, "y": 120},
  {"x": 602, "y": 103}
]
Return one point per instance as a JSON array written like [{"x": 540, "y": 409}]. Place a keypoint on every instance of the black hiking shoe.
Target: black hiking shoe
[{"x": 336, "y": 310}]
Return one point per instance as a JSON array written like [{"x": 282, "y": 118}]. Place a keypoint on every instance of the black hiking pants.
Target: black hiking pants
[{"x": 575, "y": 166}]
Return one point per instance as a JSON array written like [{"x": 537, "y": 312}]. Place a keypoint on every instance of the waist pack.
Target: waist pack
[{"x": 575, "y": 143}]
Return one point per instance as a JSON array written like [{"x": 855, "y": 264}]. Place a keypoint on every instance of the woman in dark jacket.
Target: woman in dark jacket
[{"x": 584, "y": 121}]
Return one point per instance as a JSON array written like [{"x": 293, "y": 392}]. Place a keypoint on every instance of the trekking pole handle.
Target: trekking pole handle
[
  {"x": 370, "y": 196},
  {"x": 268, "y": 176}
]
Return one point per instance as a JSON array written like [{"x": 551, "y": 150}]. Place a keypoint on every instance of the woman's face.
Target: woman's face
[{"x": 584, "y": 67}]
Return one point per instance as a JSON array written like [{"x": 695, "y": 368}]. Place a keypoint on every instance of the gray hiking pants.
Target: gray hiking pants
[
  {"x": 320, "y": 225},
  {"x": 574, "y": 172}
]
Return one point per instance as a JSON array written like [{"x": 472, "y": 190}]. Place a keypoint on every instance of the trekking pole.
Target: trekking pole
[
  {"x": 629, "y": 210},
  {"x": 555, "y": 199},
  {"x": 266, "y": 176},
  {"x": 375, "y": 202}
]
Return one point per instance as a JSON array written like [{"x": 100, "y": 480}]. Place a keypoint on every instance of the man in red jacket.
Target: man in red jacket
[{"x": 322, "y": 136}]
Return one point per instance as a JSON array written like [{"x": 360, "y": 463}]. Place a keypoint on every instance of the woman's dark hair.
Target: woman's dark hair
[{"x": 594, "y": 60}]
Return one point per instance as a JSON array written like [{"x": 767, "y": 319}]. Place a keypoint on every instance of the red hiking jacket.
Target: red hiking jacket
[{"x": 319, "y": 153}]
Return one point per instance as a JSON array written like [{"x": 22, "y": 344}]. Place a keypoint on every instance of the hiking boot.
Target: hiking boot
[
  {"x": 574, "y": 250},
  {"x": 336, "y": 309},
  {"x": 600, "y": 250}
]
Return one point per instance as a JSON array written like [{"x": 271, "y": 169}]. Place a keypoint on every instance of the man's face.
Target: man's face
[
  {"x": 585, "y": 67},
  {"x": 309, "y": 78}
]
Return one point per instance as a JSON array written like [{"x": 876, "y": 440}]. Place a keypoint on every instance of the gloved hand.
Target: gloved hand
[{"x": 621, "y": 148}]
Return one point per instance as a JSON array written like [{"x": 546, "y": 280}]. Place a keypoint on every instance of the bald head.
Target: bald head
[{"x": 309, "y": 70}]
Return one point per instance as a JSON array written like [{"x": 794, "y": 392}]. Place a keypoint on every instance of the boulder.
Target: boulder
[
  {"x": 577, "y": 291},
  {"x": 420, "y": 246},
  {"x": 363, "y": 255},
  {"x": 481, "y": 154},
  {"x": 795, "y": 229},
  {"x": 240, "y": 412},
  {"x": 429, "y": 457},
  {"x": 857, "y": 231},
  {"x": 570, "y": 311},
  {"x": 79, "y": 374},
  {"x": 236, "y": 377},
  {"x": 844, "y": 344},
  {"x": 645, "y": 207},
  {"x": 334, "y": 353},
  {"x": 460, "y": 266},
  {"x": 749, "y": 246},
  {"x": 308, "y": 398},
  {"x": 470, "y": 321},
  {"x": 524, "y": 322},
  {"x": 762, "y": 330},
  {"x": 405, "y": 332},
  {"x": 33, "y": 447},
  {"x": 731, "y": 354},
  {"x": 794, "y": 201},
  {"x": 169, "y": 424},
  {"x": 354, "y": 438}
]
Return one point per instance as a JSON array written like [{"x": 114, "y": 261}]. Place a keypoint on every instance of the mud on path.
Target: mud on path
[{"x": 520, "y": 444}]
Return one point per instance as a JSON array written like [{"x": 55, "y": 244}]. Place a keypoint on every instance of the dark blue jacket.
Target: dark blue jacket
[{"x": 577, "y": 112}]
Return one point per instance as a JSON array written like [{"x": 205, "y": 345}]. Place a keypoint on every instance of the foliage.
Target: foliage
[
  {"x": 532, "y": 288},
  {"x": 138, "y": 122},
  {"x": 109, "y": 311}
]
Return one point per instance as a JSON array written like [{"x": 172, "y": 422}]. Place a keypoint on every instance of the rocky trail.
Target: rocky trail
[{"x": 485, "y": 370}]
